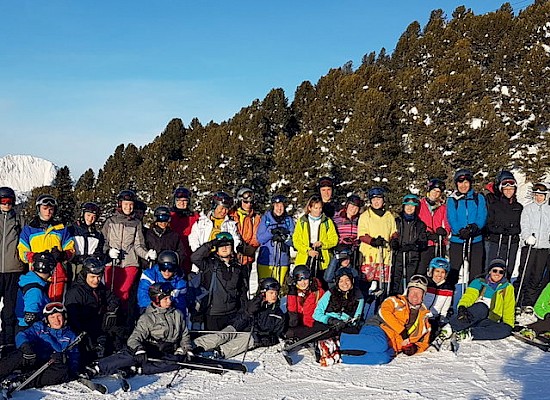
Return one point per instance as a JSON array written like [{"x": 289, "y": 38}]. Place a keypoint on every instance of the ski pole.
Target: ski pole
[
  {"x": 404, "y": 279},
  {"x": 169, "y": 385},
  {"x": 499, "y": 244},
  {"x": 508, "y": 252},
  {"x": 523, "y": 273},
  {"x": 464, "y": 266}
]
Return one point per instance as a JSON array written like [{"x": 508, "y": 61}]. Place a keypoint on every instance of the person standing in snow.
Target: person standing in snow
[
  {"x": 346, "y": 221},
  {"x": 182, "y": 219},
  {"x": 325, "y": 187},
  {"x": 247, "y": 220}
]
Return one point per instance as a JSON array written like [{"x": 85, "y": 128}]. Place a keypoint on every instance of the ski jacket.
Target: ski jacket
[
  {"x": 535, "y": 219},
  {"x": 503, "y": 219},
  {"x": 88, "y": 241},
  {"x": 267, "y": 321},
  {"x": 181, "y": 222},
  {"x": 267, "y": 254},
  {"x": 411, "y": 233},
  {"x": 125, "y": 233},
  {"x": 542, "y": 306},
  {"x": 503, "y": 303},
  {"x": 87, "y": 306},
  {"x": 32, "y": 296},
  {"x": 247, "y": 226},
  {"x": 35, "y": 239},
  {"x": 164, "y": 328},
  {"x": 227, "y": 284},
  {"x": 434, "y": 217},
  {"x": 301, "y": 305},
  {"x": 342, "y": 306},
  {"x": 10, "y": 229},
  {"x": 153, "y": 275},
  {"x": 466, "y": 209},
  {"x": 438, "y": 297},
  {"x": 301, "y": 240},
  {"x": 45, "y": 341},
  {"x": 201, "y": 230},
  {"x": 346, "y": 228},
  {"x": 394, "y": 315},
  {"x": 371, "y": 226},
  {"x": 160, "y": 240}
]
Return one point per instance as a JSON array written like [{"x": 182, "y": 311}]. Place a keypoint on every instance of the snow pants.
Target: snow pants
[
  {"x": 535, "y": 278},
  {"x": 228, "y": 340},
  {"x": 507, "y": 251},
  {"x": 410, "y": 260},
  {"x": 121, "y": 281},
  {"x": 427, "y": 255},
  {"x": 125, "y": 359},
  {"x": 8, "y": 294},
  {"x": 480, "y": 326},
  {"x": 456, "y": 258},
  {"x": 53, "y": 375},
  {"x": 271, "y": 271},
  {"x": 369, "y": 347},
  {"x": 541, "y": 326}
]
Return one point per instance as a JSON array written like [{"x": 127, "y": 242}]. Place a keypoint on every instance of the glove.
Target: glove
[
  {"x": 441, "y": 231},
  {"x": 59, "y": 255},
  {"x": 29, "y": 356},
  {"x": 464, "y": 314},
  {"x": 292, "y": 290},
  {"x": 394, "y": 244},
  {"x": 109, "y": 321},
  {"x": 254, "y": 305},
  {"x": 474, "y": 230},
  {"x": 409, "y": 247},
  {"x": 531, "y": 240},
  {"x": 410, "y": 349},
  {"x": 464, "y": 233},
  {"x": 151, "y": 255},
  {"x": 332, "y": 322},
  {"x": 267, "y": 341},
  {"x": 114, "y": 253},
  {"x": 433, "y": 236},
  {"x": 377, "y": 242},
  {"x": 140, "y": 357},
  {"x": 30, "y": 318},
  {"x": 59, "y": 358},
  {"x": 182, "y": 355}
]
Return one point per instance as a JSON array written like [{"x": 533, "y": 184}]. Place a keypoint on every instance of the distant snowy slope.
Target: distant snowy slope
[{"x": 23, "y": 173}]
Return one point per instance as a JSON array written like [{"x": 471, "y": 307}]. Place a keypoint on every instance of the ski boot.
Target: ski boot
[
  {"x": 464, "y": 336},
  {"x": 528, "y": 333}
]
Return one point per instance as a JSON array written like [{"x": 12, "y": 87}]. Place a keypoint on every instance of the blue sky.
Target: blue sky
[{"x": 77, "y": 78}]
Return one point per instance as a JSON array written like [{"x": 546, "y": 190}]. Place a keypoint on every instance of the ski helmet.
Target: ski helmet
[
  {"x": 53, "y": 308},
  {"x": 90, "y": 207},
  {"x": 411, "y": 200},
  {"x": 44, "y": 262},
  {"x": 435, "y": 183},
  {"x": 162, "y": 214},
  {"x": 224, "y": 239},
  {"x": 355, "y": 200},
  {"x": 418, "y": 281},
  {"x": 46, "y": 200},
  {"x": 440, "y": 262},
  {"x": 505, "y": 179},
  {"x": 7, "y": 193},
  {"x": 279, "y": 198},
  {"x": 126, "y": 195},
  {"x": 222, "y": 199},
  {"x": 301, "y": 272},
  {"x": 463, "y": 175},
  {"x": 343, "y": 254},
  {"x": 325, "y": 181},
  {"x": 269, "y": 284},
  {"x": 182, "y": 193},
  {"x": 376, "y": 192},
  {"x": 168, "y": 260},
  {"x": 344, "y": 271},
  {"x": 245, "y": 194},
  {"x": 92, "y": 265},
  {"x": 160, "y": 290},
  {"x": 539, "y": 188}
]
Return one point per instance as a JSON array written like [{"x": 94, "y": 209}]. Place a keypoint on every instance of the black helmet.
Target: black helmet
[
  {"x": 126, "y": 195},
  {"x": 245, "y": 194},
  {"x": 269, "y": 284},
  {"x": 341, "y": 272},
  {"x": 162, "y": 214},
  {"x": 182, "y": 193},
  {"x": 301, "y": 272},
  {"x": 224, "y": 239},
  {"x": 222, "y": 199},
  {"x": 7, "y": 192},
  {"x": 355, "y": 200},
  {"x": 44, "y": 262},
  {"x": 90, "y": 207},
  {"x": 159, "y": 290},
  {"x": 92, "y": 265},
  {"x": 435, "y": 183},
  {"x": 45, "y": 200},
  {"x": 52, "y": 308},
  {"x": 279, "y": 198},
  {"x": 463, "y": 175},
  {"x": 168, "y": 260}
]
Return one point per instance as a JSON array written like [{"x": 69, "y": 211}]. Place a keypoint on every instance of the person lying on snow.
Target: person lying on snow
[{"x": 262, "y": 317}]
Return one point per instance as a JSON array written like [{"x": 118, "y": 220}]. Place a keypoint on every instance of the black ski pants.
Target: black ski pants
[
  {"x": 535, "y": 276},
  {"x": 8, "y": 293},
  {"x": 456, "y": 258},
  {"x": 53, "y": 375}
]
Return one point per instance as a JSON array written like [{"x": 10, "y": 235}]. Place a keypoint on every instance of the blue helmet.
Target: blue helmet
[
  {"x": 440, "y": 262},
  {"x": 376, "y": 192}
]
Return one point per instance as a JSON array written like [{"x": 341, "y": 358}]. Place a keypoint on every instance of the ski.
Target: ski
[
  {"x": 96, "y": 387},
  {"x": 226, "y": 364},
  {"x": 121, "y": 378},
  {"x": 216, "y": 368},
  {"x": 534, "y": 342},
  {"x": 454, "y": 343},
  {"x": 287, "y": 357}
]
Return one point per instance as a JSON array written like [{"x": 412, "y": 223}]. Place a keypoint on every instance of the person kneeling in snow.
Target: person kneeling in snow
[
  {"x": 262, "y": 317},
  {"x": 487, "y": 309},
  {"x": 160, "y": 333},
  {"x": 401, "y": 326}
]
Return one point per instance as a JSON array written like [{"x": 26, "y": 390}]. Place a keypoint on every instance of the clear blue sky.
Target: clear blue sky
[{"x": 77, "y": 78}]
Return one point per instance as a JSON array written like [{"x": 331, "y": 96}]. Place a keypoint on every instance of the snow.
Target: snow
[
  {"x": 477, "y": 123},
  {"x": 24, "y": 172}
]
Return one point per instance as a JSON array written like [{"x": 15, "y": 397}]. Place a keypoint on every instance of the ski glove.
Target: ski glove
[
  {"x": 140, "y": 357},
  {"x": 292, "y": 290},
  {"x": 464, "y": 314},
  {"x": 394, "y": 244},
  {"x": 29, "y": 356},
  {"x": 531, "y": 240},
  {"x": 464, "y": 233},
  {"x": 59, "y": 358},
  {"x": 152, "y": 255},
  {"x": 377, "y": 242},
  {"x": 441, "y": 231},
  {"x": 114, "y": 253},
  {"x": 109, "y": 321},
  {"x": 410, "y": 349},
  {"x": 433, "y": 236},
  {"x": 474, "y": 230},
  {"x": 30, "y": 318},
  {"x": 59, "y": 255},
  {"x": 332, "y": 322}
]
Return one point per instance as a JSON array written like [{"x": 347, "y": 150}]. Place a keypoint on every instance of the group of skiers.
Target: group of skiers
[{"x": 131, "y": 294}]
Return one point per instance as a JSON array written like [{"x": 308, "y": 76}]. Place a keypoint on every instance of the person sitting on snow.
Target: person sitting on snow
[
  {"x": 262, "y": 317},
  {"x": 439, "y": 296},
  {"x": 541, "y": 328}
]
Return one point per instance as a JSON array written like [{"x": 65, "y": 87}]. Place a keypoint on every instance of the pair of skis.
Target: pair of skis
[
  {"x": 544, "y": 346},
  {"x": 440, "y": 342},
  {"x": 212, "y": 365}
]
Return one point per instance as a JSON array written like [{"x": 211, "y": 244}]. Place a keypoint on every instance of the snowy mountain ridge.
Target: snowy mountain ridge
[{"x": 25, "y": 172}]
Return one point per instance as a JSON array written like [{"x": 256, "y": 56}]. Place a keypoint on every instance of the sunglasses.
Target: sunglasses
[
  {"x": 7, "y": 201},
  {"x": 497, "y": 271},
  {"x": 247, "y": 201},
  {"x": 54, "y": 307}
]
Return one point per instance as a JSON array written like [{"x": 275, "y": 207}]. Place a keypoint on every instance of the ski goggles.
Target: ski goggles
[
  {"x": 419, "y": 279},
  {"x": 7, "y": 201},
  {"x": 497, "y": 271},
  {"x": 96, "y": 270},
  {"x": 167, "y": 267},
  {"x": 52, "y": 308},
  {"x": 508, "y": 183},
  {"x": 463, "y": 178},
  {"x": 539, "y": 188},
  {"x": 47, "y": 202},
  {"x": 162, "y": 218}
]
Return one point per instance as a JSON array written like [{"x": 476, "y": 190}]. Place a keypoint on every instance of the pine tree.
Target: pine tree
[{"x": 63, "y": 191}]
